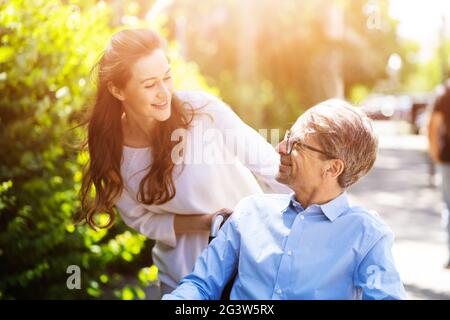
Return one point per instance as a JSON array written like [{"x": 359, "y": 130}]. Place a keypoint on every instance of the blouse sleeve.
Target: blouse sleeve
[
  {"x": 259, "y": 156},
  {"x": 153, "y": 225}
]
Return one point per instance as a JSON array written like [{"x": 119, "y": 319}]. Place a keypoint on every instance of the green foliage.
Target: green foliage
[
  {"x": 423, "y": 75},
  {"x": 46, "y": 52}
]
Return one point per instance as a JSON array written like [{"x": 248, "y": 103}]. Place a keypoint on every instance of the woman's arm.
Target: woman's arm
[
  {"x": 436, "y": 122},
  {"x": 155, "y": 226},
  {"x": 185, "y": 223},
  {"x": 191, "y": 223},
  {"x": 248, "y": 145},
  {"x": 162, "y": 227}
]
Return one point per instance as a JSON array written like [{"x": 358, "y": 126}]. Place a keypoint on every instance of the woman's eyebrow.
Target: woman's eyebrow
[{"x": 151, "y": 78}]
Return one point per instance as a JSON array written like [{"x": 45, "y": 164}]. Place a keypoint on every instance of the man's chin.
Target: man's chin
[{"x": 282, "y": 178}]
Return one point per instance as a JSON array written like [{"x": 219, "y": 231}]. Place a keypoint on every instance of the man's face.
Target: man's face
[{"x": 303, "y": 169}]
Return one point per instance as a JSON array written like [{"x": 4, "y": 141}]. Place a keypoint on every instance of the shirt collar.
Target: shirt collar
[
  {"x": 294, "y": 204},
  {"x": 332, "y": 209}
]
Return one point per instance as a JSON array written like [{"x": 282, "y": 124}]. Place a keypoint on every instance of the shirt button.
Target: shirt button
[
  {"x": 278, "y": 291},
  {"x": 289, "y": 253},
  {"x": 302, "y": 217}
]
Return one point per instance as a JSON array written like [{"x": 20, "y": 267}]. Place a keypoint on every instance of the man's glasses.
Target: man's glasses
[{"x": 292, "y": 142}]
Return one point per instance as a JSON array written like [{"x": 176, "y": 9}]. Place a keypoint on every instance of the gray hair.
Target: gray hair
[{"x": 343, "y": 131}]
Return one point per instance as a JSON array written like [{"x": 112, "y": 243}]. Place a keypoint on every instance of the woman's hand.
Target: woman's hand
[{"x": 185, "y": 223}]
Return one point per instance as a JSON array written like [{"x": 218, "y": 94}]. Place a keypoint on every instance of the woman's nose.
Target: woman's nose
[{"x": 163, "y": 92}]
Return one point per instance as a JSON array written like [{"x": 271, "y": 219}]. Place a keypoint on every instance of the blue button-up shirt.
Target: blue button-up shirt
[{"x": 282, "y": 251}]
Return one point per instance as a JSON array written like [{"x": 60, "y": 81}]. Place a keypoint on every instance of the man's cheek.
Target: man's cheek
[{"x": 296, "y": 171}]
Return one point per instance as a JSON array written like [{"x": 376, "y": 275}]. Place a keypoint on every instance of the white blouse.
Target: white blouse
[{"x": 223, "y": 161}]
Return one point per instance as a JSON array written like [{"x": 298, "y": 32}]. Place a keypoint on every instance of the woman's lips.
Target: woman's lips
[{"x": 161, "y": 106}]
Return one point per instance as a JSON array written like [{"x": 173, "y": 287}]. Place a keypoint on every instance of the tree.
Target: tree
[{"x": 271, "y": 60}]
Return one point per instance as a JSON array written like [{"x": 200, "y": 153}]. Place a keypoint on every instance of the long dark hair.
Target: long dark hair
[{"x": 105, "y": 138}]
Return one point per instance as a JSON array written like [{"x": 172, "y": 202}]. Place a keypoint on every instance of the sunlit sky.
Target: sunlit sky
[{"x": 421, "y": 20}]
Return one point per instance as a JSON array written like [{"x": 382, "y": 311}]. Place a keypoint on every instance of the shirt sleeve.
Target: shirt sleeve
[
  {"x": 153, "y": 225},
  {"x": 213, "y": 269},
  {"x": 259, "y": 156},
  {"x": 377, "y": 276}
]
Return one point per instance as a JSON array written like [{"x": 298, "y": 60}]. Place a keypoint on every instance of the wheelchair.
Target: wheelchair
[{"x": 215, "y": 227}]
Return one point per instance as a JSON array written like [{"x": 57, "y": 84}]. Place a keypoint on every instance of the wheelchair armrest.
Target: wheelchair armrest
[{"x": 215, "y": 226}]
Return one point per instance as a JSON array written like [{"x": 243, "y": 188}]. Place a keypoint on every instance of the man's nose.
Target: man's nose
[{"x": 282, "y": 147}]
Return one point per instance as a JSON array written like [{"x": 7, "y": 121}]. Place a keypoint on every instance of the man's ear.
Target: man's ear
[
  {"x": 334, "y": 168},
  {"x": 116, "y": 92}
]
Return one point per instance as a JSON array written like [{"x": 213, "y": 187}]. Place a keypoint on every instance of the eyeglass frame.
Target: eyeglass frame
[{"x": 289, "y": 147}]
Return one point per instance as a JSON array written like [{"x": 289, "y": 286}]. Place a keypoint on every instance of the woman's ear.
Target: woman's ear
[{"x": 116, "y": 92}]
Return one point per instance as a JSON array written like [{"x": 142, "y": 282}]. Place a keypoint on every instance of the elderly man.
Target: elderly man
[{"x": 311, "y": 244}]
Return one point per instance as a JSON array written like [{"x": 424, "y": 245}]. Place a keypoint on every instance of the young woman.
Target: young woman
[{"x": 168, "y": 160}]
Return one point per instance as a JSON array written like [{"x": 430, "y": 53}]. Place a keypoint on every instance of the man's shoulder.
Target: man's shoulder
[
  {"x": 262, "y": 199},
  {"x": 369, "y": 221},
  {"x": 262, "y": 204}
]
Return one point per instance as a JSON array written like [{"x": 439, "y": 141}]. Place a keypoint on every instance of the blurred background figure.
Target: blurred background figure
[{"x": 439, "y": 147}]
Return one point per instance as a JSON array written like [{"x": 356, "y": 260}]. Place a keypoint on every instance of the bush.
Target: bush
[{"x": 46, "y": 52}]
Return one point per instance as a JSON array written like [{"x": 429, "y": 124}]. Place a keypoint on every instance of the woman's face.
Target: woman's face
[{"x": 148, "y": 93}]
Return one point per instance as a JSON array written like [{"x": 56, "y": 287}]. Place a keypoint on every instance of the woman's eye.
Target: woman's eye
[
  {"x": 150, "y": 86},
  {"x": 168, "y": 78}
]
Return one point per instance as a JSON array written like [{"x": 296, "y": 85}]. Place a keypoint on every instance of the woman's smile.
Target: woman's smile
[{"x": 161, "y": 106}]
